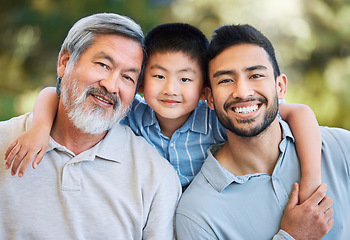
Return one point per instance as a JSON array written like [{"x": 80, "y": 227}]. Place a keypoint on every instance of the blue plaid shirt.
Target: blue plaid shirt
[{"x": 187, "y": 148}]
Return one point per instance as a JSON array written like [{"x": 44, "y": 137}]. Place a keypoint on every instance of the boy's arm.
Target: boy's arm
[
  {"x": 308, "y": 141},
  {"x": 33, "y": 142}
]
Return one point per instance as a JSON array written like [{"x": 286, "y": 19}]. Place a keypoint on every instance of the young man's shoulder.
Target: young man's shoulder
[{"x": 338, "y": 136}]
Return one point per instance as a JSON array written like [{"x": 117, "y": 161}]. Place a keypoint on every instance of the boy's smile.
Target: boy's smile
[{"x": 173, "y": 86}]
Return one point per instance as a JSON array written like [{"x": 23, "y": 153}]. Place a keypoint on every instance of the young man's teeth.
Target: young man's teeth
[{"x": 246, "y": 109}]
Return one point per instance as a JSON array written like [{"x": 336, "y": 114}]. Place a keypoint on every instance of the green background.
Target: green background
[{"x": 312, "y": 41}]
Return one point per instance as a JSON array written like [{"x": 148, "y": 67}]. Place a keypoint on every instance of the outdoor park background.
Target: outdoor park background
[{"x": 311, "y": 38}]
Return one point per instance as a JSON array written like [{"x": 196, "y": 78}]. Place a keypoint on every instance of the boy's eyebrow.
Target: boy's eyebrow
[
  {"x": 158, "y": 67},
  {"x": 231, "y": 72}
]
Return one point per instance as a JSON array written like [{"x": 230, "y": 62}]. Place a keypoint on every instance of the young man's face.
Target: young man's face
[
  {"x": 244, "y": 93},
  {"x": 101, "y": 85},
  {"x": 172, "y": 85}
]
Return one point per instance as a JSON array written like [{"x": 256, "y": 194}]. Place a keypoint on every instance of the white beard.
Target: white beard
[{"x": 89, "y": 119}]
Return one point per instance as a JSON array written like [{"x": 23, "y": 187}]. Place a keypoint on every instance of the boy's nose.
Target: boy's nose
[{"x": 171, "y": 87}]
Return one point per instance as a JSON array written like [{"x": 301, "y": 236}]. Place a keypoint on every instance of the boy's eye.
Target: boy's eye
[
  {"x": 159, "y": 76},
  {"x": 185, "y": 79}
]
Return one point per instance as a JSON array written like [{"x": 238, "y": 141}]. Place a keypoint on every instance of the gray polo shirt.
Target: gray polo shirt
[{"x": 119, "y": 189}]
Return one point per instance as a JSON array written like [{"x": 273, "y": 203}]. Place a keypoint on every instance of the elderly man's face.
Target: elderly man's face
[
  {"x": 99, "y": 89},
  {"x": 244, "y": 91}
]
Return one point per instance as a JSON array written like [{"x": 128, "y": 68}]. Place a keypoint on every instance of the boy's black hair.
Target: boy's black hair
[
  {"x": 230, "y": 35},
  {"x": 179, "y": 37}
]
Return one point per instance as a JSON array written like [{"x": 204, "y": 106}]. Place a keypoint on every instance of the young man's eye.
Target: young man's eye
[
  {"x": 185, "y": 80},
  {"x": 256, "y": 76},
  {"x": 225, "y": 81}
]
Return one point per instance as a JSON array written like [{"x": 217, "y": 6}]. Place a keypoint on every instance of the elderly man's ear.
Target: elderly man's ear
[
  {"x": 62, "y": 63},
  {"x": 281, "y": 86}
]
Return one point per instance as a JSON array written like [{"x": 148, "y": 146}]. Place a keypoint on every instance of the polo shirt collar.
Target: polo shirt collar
[
  {"x": 220, "y": 178},
  {"x": 194, "y": 122},
  {"x": 108, "y": 148}
]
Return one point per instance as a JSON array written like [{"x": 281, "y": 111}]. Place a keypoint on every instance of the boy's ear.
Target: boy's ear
[
  {"x": 141, "y": 88},
  {"x": 62, "y": 63},
  {"x": 281, "y": 83},
  {"x": 203, "y": 95},
  {"x": 209, "y": 97}
]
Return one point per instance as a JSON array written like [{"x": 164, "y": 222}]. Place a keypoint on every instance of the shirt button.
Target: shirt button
[{"x": 171, "y": 144}]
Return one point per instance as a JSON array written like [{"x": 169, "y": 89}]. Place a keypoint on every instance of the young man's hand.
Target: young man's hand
[{"x": 310, "y": 220}]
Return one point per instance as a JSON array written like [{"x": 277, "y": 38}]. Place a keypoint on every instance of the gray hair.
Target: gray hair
[{"x": 82, "y": 35}]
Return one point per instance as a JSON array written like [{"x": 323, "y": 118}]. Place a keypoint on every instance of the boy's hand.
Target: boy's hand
[
  {"x": 311, "y": 219},
  {"x": 26, "y": 147}
]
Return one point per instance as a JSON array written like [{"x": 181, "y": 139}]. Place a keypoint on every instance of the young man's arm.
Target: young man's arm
[{"x": 32, "y": 144}]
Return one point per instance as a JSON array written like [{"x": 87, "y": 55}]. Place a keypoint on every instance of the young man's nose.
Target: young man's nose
[{"x": 242, "y": 89}]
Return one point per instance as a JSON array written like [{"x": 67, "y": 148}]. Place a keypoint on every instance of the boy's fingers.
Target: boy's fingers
[
  {"x": 17, "y": 161},
  {"x": 10, "y": 156},
  {"x": 38, "y": 158},
  {"x": 317, "y": 196},
  {"x": 25, "y": 163},
  {"x": 9, "y": 149}
]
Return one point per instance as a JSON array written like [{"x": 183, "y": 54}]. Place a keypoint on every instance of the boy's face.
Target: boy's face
[{"x": 172, "y": 85}]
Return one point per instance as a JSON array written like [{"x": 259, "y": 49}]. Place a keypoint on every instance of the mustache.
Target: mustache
[
  {"x": 228, "y": 105},
  {"x": 103, "y": 92}
]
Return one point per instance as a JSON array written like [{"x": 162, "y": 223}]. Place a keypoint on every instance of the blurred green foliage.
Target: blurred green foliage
[{"x": 312, "y": 41}]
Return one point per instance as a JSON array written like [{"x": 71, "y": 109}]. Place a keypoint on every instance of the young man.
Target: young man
[
  {"x": 243, "y": 188},
  {"x": 86, "y": 188}
]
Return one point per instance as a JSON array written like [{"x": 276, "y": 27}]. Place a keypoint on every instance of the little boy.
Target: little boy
[{"x": 173, "y": 116}]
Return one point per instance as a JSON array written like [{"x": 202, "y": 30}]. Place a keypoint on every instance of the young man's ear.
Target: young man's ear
[
  {"x": 209, "y": 97},
  {"x": 62, "y": 63},
  {"x": 281, "y": 86}
]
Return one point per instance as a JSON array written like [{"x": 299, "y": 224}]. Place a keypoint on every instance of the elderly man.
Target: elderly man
[
  {"x": 243, "y": 188},
  {"x": 98, "y": 180}
]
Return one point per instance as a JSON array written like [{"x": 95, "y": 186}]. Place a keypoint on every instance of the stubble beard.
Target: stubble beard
[{"x": 250, "y": 130}]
